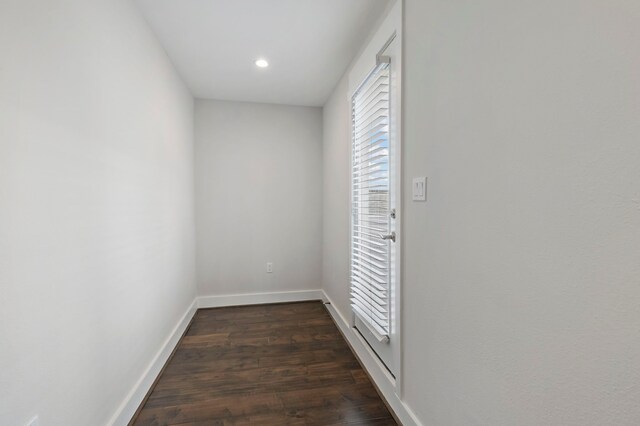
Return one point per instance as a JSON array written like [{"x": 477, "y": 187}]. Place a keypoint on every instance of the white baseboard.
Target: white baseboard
[
  {"x": 381, "y": 377},
  {"x": 127, "y": 409},
  {"x": 258, "y": 298}
]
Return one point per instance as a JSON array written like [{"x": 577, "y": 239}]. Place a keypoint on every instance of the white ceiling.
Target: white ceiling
[{"x": 308, "y": 43}]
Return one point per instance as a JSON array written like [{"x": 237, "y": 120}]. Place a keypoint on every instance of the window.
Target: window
[{"x": 371, "y": 210}]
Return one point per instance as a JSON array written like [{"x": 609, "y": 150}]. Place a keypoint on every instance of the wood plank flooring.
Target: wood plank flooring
[{"x": 284, "y": 364}]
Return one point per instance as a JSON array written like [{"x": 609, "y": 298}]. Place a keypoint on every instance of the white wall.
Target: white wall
[
  {"x": 336, "y": 148},
  {"x": 258, "y": 197},
  {"x": 522, "y": 271},
  {"x": 520, "y": 292},
  {"x": 96, "y": 216}
]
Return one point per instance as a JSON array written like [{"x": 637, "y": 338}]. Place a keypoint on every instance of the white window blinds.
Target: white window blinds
[{"x": 370, "y": 253}]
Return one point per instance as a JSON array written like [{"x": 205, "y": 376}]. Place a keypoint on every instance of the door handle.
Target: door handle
[{"x": 391, "y": 236}]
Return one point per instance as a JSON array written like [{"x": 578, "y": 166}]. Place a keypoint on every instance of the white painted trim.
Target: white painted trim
[
  {"x": 258, "y": 298},
  {"x": 128, "y": 407},
  {"x": 383, "y": 380}
]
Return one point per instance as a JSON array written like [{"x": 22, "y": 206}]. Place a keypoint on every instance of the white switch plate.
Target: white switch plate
[
  {"x": 269, "y": 268},
  {"x": 419, "y": 189}
]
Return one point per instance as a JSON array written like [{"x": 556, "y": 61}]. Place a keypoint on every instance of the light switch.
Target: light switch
[{"x": 420, "y": 189}]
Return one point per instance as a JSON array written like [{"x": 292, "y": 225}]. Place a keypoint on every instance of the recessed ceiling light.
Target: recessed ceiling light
[{"x": 261, "y": 63}]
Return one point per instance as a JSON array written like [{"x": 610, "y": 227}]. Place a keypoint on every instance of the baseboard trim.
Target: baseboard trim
[
  {"x": 258, "y": 298},
  {"x": 381, "y": 378},
  {"x": 129, "y": 406}
]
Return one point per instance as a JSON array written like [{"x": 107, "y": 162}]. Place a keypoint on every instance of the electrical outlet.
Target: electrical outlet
[
  {"x": 34, "y": 422},
  {"x": 269, "y": 268}
]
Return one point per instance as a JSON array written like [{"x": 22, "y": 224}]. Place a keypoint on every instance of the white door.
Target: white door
[{"x": 375, "y": 202}]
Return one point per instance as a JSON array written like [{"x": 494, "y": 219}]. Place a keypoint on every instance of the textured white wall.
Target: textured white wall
[
  {"x": 96, "y": 207},
  {"x": 336, "y": 148},
  {"x": 522, "y": 271},
  {"x": 258, "y": 197}
]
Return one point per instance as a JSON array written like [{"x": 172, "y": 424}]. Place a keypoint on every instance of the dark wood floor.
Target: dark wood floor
[{"x": 283, "y": 364}]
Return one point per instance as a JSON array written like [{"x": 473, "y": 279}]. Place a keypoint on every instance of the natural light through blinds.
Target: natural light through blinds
[{"x": 370, "y": 253}]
